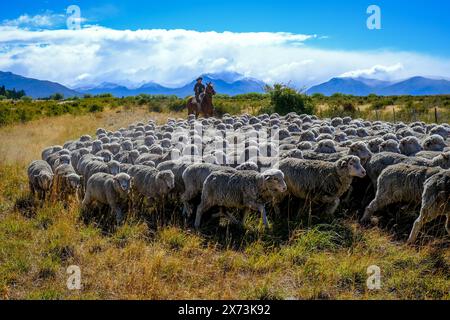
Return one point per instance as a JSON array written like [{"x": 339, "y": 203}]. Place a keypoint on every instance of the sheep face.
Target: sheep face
[
  {"x": 352, "y": 166},
  {"x": 64, "y": 159},
  {"x": 114, "y": 167},
  {"x": 434, "y": 143},
  {"x": 166, "y": 181},
  {"x": 74, "y": 181},
  {"x": 274, "y": 180},
  {"x": 122, "y": 183},
  {"x": 390, "y": 146},
  {"x": 410, "y": 146},
  {"x": 361, "y": 151},
  {"x": 45, "y": 180}
]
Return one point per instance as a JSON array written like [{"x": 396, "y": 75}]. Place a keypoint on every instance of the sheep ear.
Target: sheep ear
[
  {"x": 343, "y": 163},
  {"x": 446, "y": 156}
]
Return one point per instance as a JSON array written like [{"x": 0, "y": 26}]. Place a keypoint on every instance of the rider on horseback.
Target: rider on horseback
[{"x": 199, "y": 90}]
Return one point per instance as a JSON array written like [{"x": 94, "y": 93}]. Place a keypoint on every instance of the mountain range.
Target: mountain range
[
  {"x": 224, "y": 83},
  {"x": 34, "y": 88},
  {"x": 415, "y": 86},
  {"x": 231, "y": 83}
]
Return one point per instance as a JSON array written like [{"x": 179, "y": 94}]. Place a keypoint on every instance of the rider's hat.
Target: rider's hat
[{"x": 199, "y": 78}]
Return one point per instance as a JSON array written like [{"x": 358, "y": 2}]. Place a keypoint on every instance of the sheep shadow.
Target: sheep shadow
[
  {"x": 398, "y": 220},
  {"x": 27, "y": 205}
]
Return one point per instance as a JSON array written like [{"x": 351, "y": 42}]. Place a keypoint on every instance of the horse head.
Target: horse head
[{"x": 210, "y": 89}]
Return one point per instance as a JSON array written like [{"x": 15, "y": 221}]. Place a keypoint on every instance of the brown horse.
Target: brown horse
[{"x": 206, "y": 107}]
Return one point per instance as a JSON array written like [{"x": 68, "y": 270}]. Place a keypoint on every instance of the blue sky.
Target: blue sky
[{"x": 414, "y": 30}]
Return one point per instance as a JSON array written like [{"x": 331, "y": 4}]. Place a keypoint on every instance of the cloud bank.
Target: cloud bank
[{"x": 96, "y": 54}]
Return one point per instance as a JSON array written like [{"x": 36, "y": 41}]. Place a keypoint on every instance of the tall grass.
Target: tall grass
[{"x": 293, "y": 260}]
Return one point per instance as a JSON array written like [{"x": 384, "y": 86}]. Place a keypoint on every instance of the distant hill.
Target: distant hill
[
  {"x": 363, "y": 87},
  {"x": 34, "y": 88},
  {"x": 233, "y": 85}
]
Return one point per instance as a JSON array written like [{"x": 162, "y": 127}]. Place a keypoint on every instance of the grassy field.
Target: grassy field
[{"x": 293, "y": 260}]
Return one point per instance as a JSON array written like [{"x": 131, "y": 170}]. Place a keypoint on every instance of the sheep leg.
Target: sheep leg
[
  {"x": 377, "y": 204},
  {"x": 447, "y": 224},
  {"x": 262, "y": 209},
  {"x": 118, "y": 212},
  {"x": 423, "y": 218},
  {"x": 331, "y": 207},
  {"x": 200, "y": 210},
  {"x": 229, "y": 216},
  {"x": 32, "y": 189}
]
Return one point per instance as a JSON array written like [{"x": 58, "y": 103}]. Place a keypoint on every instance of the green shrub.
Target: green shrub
[
  {"x": 95, "y": 108},
  {"x": 26, "y": 98},
  {"x": 56, "y": 96},
  {"x": 3, "y": 98},
  {"x": 177, "y": 105},
  {"x": 285, "y": 99}
]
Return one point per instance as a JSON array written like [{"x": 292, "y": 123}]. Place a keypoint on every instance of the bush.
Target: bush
[
  {"x": 26, "y": 98},
  {"x": 95, "y": 108},
  {"x": 177, "y": 105},
  {"x": 285, "y": 99},
  {"x": 56, "y": 96},
  {"x": 2, "y": 98}
]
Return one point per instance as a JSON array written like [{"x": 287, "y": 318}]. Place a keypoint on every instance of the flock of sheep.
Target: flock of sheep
[{"x": 253, "y": 163}]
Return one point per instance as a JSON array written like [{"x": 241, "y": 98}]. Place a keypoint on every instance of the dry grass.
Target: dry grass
[
  {"x": 23, "y": 143},
  {"x": 135, "y": 262}
]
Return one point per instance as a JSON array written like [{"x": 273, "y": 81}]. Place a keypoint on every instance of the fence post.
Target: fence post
[
  {"x": 393, "y": 110},
  {"x": 376, "y": 113},
  {"x": 435, "y": 115}
]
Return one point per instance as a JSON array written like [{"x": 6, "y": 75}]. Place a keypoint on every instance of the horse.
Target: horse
[{"x": 206, "y": 106}]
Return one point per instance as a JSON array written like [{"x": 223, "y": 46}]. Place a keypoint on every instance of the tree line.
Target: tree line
[{"x": 11, "y": 94}]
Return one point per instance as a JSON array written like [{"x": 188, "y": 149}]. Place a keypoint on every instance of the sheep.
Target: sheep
[
  {"x": 295, "y": 153},
  {"x": 66, "y": 183},
  {"x": 434, "y": 143},
  {"x": 410, "y": 145},
  {"x": 193, "y": 178},
  {"x": 80, "y": 168},
  {"x": 106, "y": 189},
  {"x": 443, "y": 160},
  {"x": 435, "y": 202},
  {"x": 382, "y": 160},
  {"x": 430, "y": 155},
  {"x": 399, "y": 183},
  {"x": 249, "y": 165},
  {"x": 240, "y": 190},
  {"x": 440, "y": 130},
  {"x": 93, "y": 167},
  {"x": 390, "y": 145},
  {"x": 374, "y": 145},
  {"x": 321, "y": 181},
  {"x": 63, "y": 159},
  {"x": 40, "y": 178},
  {"x": 49, "y": 151},
  {"x": 127, "y": 156},
  {"x": 151, "y": 183},
  {"x": 177, "y": 167},
  {"x": 76, "y": 155},
  {"x": 325, "y": 146}
]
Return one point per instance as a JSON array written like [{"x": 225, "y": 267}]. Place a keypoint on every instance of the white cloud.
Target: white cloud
[
  {"x": 173, "y": 57},
  {"x": 376, "y": 72},
  {"x": 46, "y": 20}
]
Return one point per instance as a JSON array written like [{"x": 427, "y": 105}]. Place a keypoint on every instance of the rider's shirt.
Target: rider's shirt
[{"x": 199, "y": 88}]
